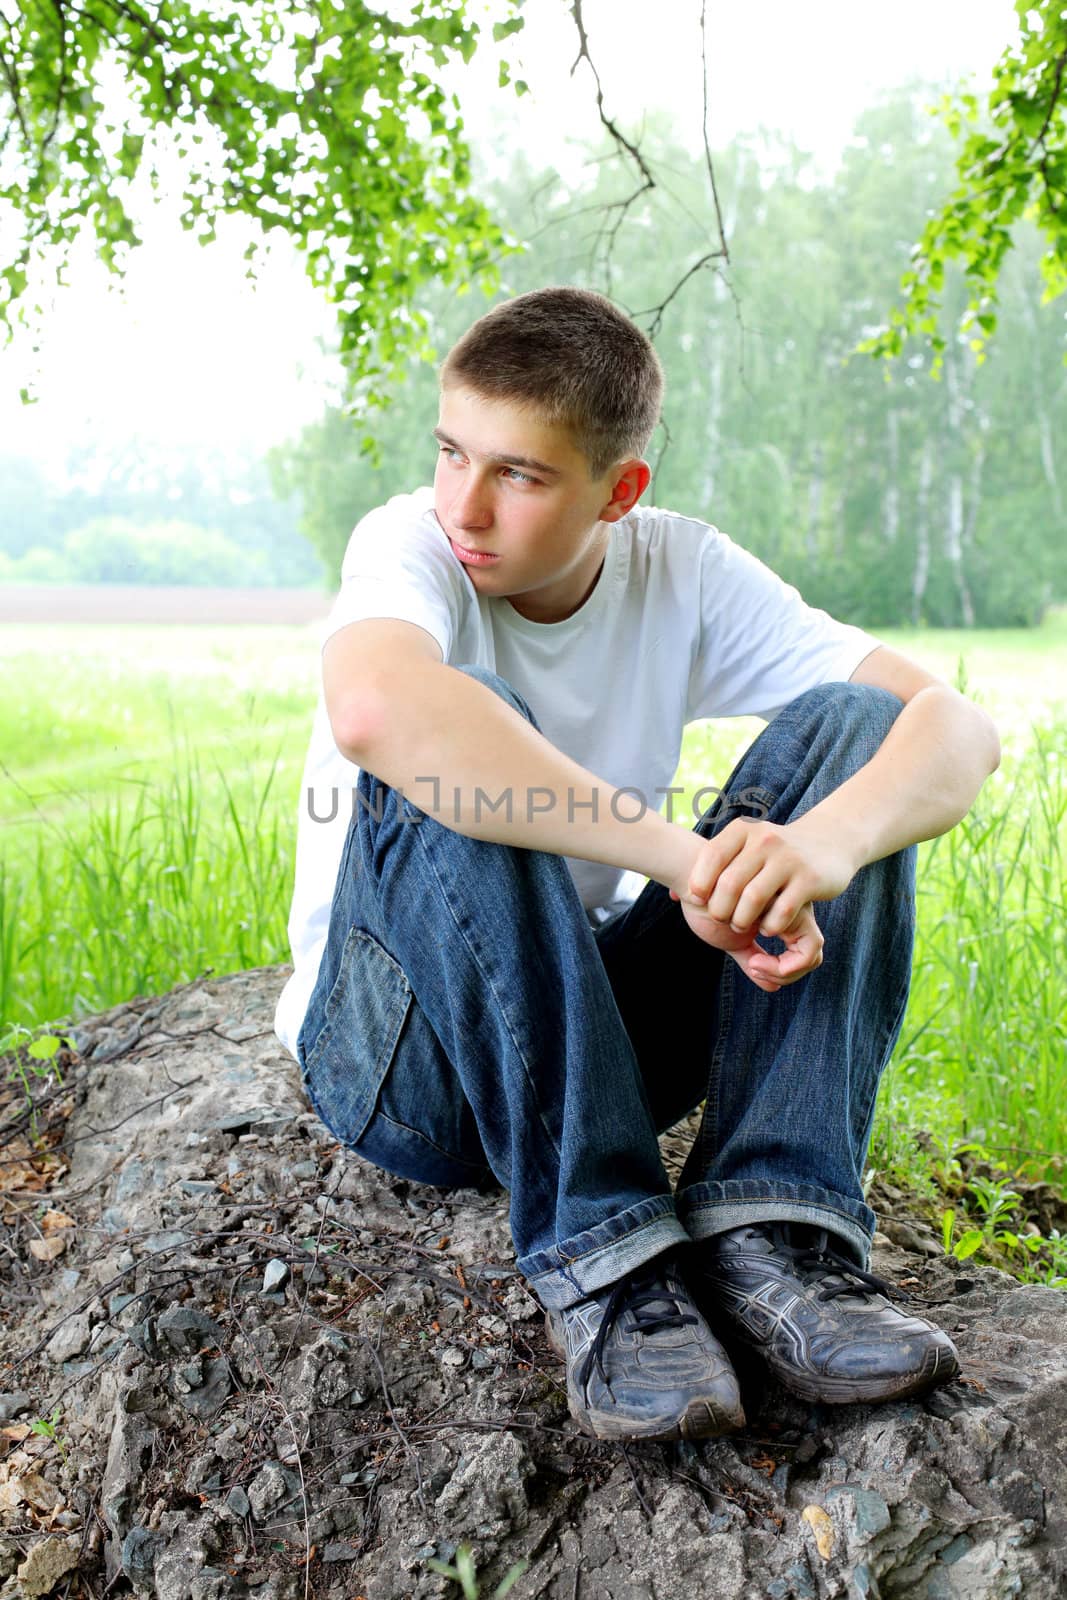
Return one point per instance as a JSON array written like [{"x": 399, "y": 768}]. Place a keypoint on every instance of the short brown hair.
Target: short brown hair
[{"x": 575, "y": 358}]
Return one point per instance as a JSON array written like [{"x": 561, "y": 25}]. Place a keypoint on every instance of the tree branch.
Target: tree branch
[
  {"x": 723, "y": 250},
  {"x": 608, "y": 234},
  {"x": 11, "y": 75},
  {"x": 57, "y": 6}
]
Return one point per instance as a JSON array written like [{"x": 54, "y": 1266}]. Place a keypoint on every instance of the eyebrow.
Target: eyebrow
[{"x": 529, "y": 462}]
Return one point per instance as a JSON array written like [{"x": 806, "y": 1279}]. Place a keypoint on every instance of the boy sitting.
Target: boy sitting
[{"x": 483, "y": 990}]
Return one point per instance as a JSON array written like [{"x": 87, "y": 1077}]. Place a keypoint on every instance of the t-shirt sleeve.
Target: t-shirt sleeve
[
  {"x": 398, "y": 564},
  {"x": 760, "y": 644}
]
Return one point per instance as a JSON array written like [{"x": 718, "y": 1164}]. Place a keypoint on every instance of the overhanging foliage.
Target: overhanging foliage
[{"x": 322, "y": 118}]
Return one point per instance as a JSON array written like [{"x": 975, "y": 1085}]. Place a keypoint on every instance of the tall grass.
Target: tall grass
[
  {"x": 154, "y": 885},
  {"x": 984, "y": 1044},
  {"x": 124, "y": 882}
]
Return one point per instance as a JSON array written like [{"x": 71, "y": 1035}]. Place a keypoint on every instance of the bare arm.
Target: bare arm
[
  {"x": 920, "y": 782},
  {"x": 464, "y": 756}
]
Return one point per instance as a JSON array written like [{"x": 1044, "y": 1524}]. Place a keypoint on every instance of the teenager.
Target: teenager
[{"x": 485, "y": 988}]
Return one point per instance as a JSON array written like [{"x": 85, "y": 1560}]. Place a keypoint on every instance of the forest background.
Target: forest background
[{"x": 888, "y": 498}]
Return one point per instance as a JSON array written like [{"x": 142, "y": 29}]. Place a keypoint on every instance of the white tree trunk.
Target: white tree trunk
[
  {"x": 892, "y": 490},
  {"x": 954, "y": 520},
  {"x": 1039, "y": 397},
  {"x": 921, "y": 571},
  {"x": 814, "y": 500}
]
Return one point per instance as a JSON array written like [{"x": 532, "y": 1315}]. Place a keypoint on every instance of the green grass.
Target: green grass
[
  {"x": 148, "y": 789},
  {"x": 150, "y": 780}
]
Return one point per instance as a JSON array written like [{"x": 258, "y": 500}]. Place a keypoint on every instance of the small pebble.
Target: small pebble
[
  {"x": 11, "y": 1404},
  {"x": 276, "y": 1274},
  {"x": 237, "y": 1501}
]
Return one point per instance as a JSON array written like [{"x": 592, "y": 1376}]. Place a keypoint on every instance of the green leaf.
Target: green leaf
[
  {"x": 965, "y": 1247},
  {"x": 948, "y": 1219},
  {"x": 44, "y": 1048}
]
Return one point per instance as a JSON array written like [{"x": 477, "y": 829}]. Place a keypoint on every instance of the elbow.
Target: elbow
[
  {"x": 355, "y": 722},
  {"x": 993, "y": 736}
]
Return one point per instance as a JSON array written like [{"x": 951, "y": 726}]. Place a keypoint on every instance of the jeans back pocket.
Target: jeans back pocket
[{"x": 365, "y": 1013}]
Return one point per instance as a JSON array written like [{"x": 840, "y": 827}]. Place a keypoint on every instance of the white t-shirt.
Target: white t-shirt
[{"x": 682, "y": 625}]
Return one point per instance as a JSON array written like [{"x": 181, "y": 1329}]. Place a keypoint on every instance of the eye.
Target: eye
[
  {"x": 517, "y": 476},
  {"x": 450, "y": 453}
]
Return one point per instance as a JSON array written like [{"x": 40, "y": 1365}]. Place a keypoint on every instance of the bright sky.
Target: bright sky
[{"x": 188, "y": 352}]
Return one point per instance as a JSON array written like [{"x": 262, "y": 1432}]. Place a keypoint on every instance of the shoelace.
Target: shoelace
[
  {"x": 818, "y": 1255},
  {"x": 637, "y": 1294}
]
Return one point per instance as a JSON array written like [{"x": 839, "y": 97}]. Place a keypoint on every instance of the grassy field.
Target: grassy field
[{"x": 150, "y": 779}]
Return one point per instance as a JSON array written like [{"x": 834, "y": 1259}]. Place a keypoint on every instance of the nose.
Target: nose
[{"x": 471, "y": 507}]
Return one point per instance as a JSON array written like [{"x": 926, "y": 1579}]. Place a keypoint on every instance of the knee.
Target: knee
[
  {"x": 844, "y": 708},
  {"x": 838, "y": 726},
  {"x": 499, "y": 686}
]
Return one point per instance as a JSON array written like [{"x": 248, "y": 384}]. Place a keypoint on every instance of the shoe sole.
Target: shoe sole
[
  {"x": 704, "y": 1418},
  {"x": 940, "y": 1367}
]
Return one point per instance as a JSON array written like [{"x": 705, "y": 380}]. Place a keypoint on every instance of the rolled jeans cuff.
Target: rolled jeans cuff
[
  {"x": 567, "y": 1273},
  {"x": 710, "y": 1208}
]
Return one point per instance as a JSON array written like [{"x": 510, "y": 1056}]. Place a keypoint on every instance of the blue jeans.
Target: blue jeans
[{"x": 469, "y": 1024}]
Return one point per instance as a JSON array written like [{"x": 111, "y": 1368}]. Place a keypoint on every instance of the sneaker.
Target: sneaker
[
  {"x": 825, "y": 1328},
  {"x": 642, "y": 1363}
]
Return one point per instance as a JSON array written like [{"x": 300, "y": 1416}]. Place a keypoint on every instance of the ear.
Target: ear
[{"x": 629, "y": 481}]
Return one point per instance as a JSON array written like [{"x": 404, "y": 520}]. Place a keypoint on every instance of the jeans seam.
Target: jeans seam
[
  {"x": 462, "y": 1161},
  {"x": 432, "y": 866},
  {"x": 708, "y": 1132},
  {"x": 875, "y": 1080}
]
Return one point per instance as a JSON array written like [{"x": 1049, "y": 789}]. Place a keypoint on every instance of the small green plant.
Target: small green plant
[
  {"x": 47, "y": 1428},
  {"x": 26, "y": 1056},
  {"x": 995, "y": 1200},
  {"x": 967, "y": 1244},
  {"x": 465, "y": 1575}
]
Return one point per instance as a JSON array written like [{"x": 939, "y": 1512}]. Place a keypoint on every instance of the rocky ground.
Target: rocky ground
[{"x": 239, "y": 1362}]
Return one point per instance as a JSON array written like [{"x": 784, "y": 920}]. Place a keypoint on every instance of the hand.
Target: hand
[
  {"x": 761, "y": 877},
  {"x": 803, "y": 953}
]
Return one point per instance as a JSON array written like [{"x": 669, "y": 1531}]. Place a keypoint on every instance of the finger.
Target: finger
[
  {"x": 790, "y": 910},
  {"x": 714, "y": 857},
  {"x": 800, "y": 958},
  {"x": 756, "y": 901},
  {"x": 763, "y": 980},
  {"x": 733, "y": 883}
]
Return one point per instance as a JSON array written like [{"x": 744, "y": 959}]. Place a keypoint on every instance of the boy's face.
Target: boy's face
[{"x": 516, "y": 487}]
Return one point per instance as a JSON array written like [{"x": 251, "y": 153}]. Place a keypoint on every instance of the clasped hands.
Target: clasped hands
[{"x": 758, "y": 877}]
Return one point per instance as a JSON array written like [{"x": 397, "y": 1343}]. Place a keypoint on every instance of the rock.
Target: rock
[
  {"x": 275, "y": 1276},
  {"x": 71, "y": 1338},
  {"x": 487, "y": 1492},
  {"x": 268, "y": 1489},
  {"x": 209, "y": 1391},
  {"x": 12, "y": 1404},
  {"x": 47, "y": 1562},
  {"x": 139, "y": 1551},
  {"x": 400, "y": 1397},
  {"x": 129, "y": 1450},
  {"x": 238, "y": 1502}
]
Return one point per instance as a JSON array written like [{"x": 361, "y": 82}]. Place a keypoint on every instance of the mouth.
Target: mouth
[{"x": 472, "y": 558}]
